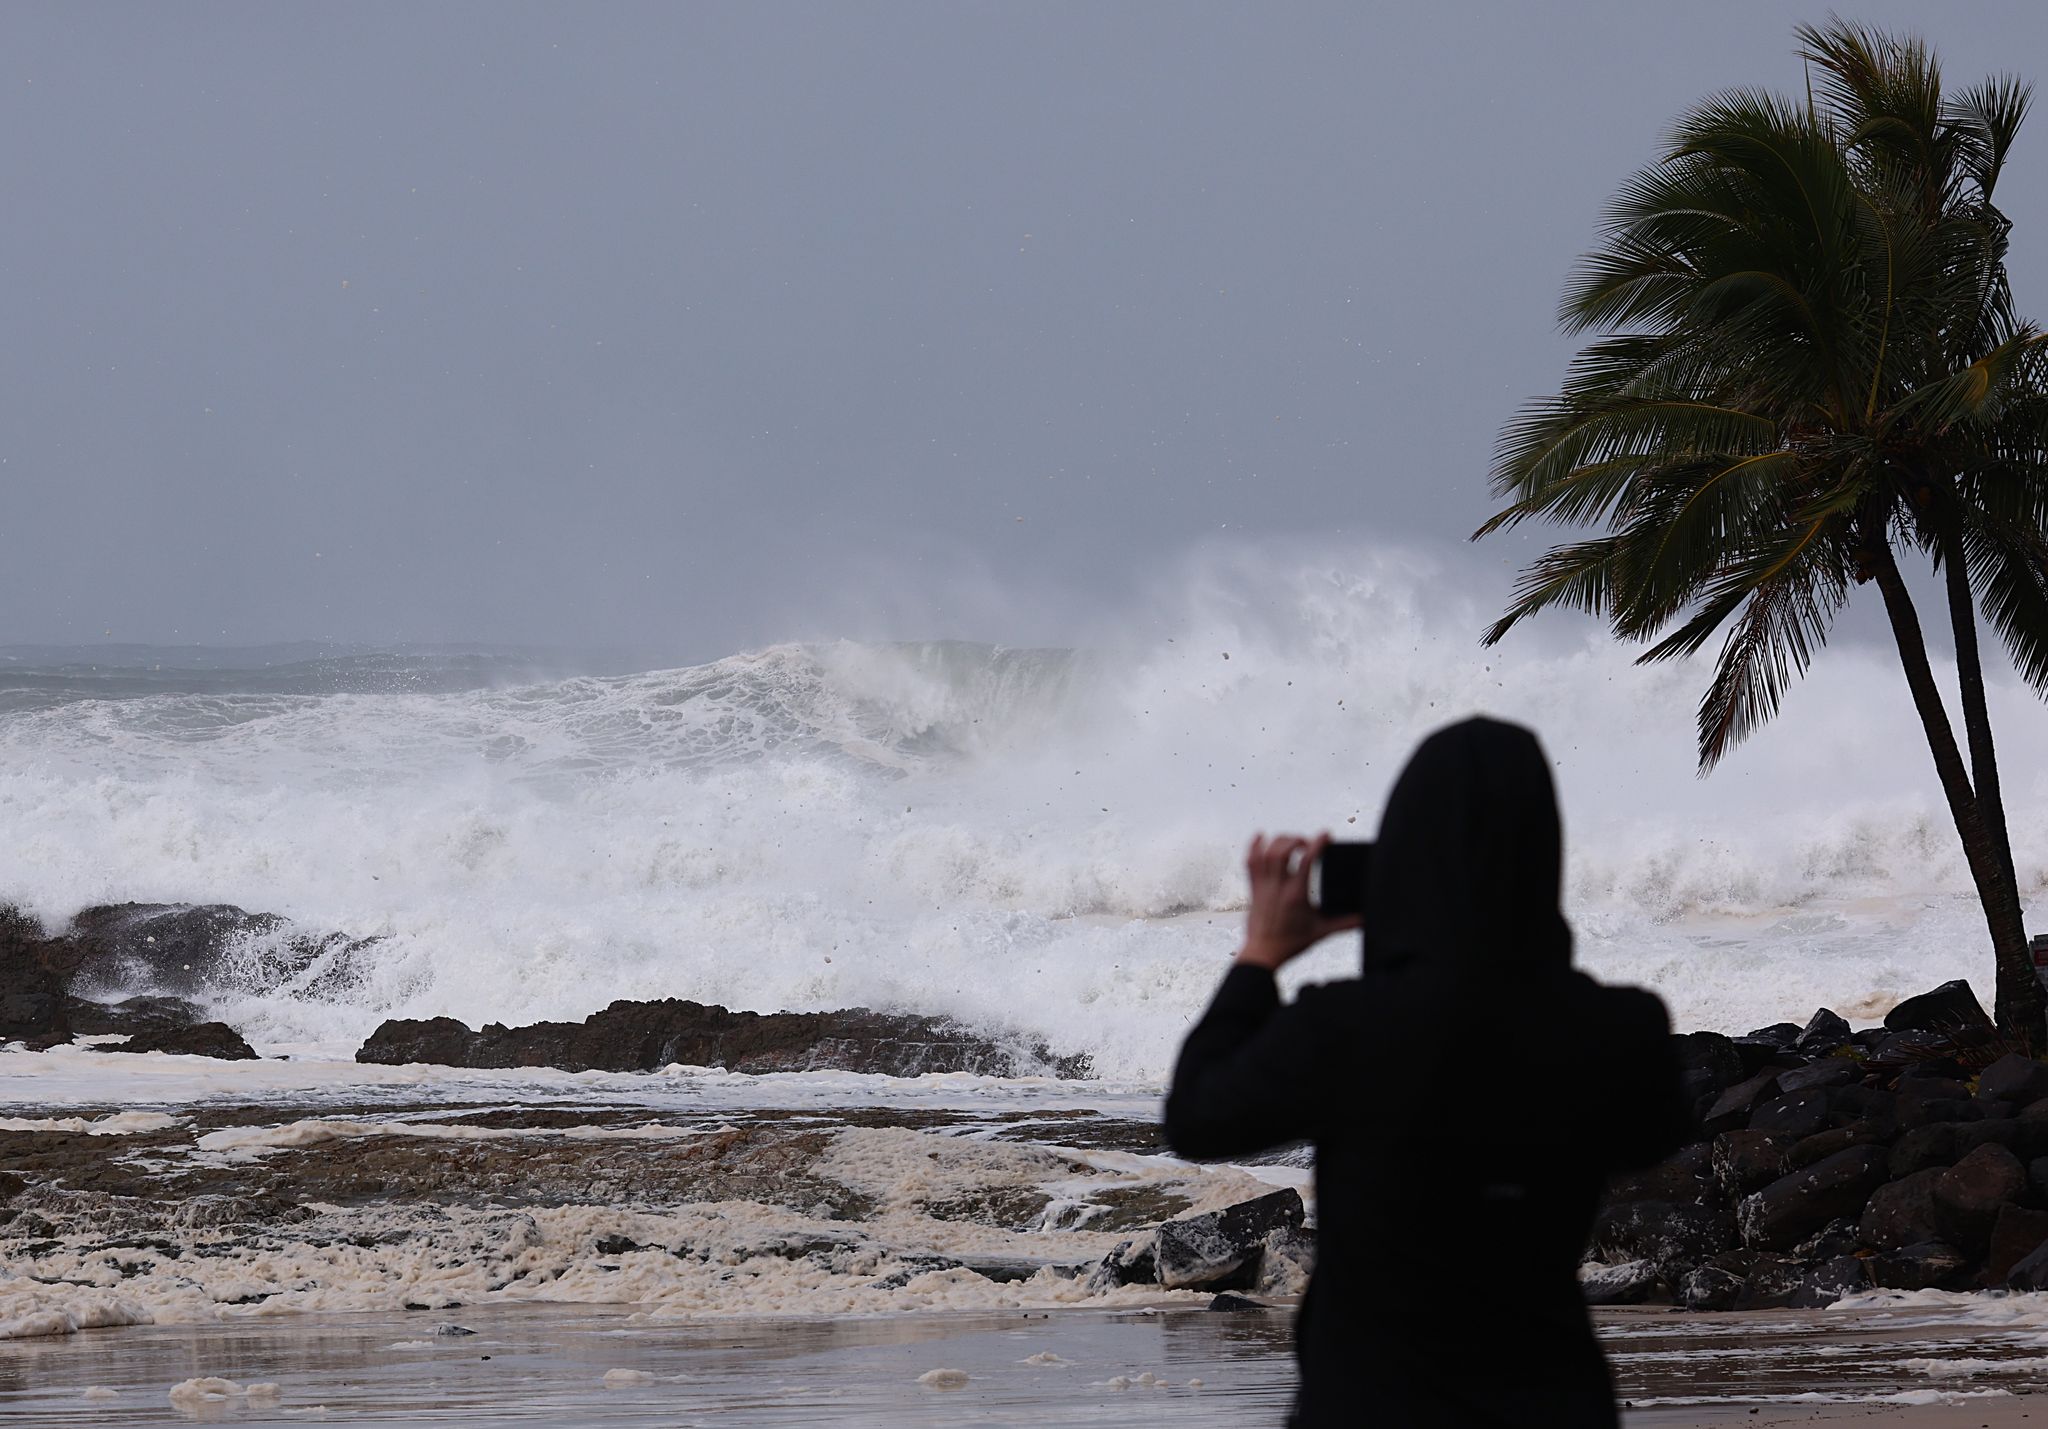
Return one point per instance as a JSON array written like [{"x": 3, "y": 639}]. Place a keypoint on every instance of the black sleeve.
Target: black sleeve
[{"x": 1247, "y": 1075}]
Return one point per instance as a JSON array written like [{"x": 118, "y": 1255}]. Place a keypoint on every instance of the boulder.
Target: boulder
[
  {"x": 1780, "y": 1035},
  {"x": 1968, "y": 1195},
  {"x": 1858, "y": 1102},
  {"x": 1922, "y": 1147},
  {"x": 1928, "y": 1265},
  {"x": 2015, "y": 1235},
  {"x": 1821, "y": 1285},
  {"x": 1823, "y": 1144},
  {"x": 1707, "y": 1063},
  {"x": 1685, "y": 1178},
  {"x": 1661, "y": 1231},
  {"x": 1914, "y": 1110},
  {"x": 1219, "y": 1250},
  {"x": 644, "y": 1036},
  {"x": 1824, "y": 1032},
  {"x": 132, "y": 1016},
  {"x": 1732, "y": 1108},
  {"x": 1793, "y": 1207},
  {"x": 1830, "y": 1242},
  {"x": 1708, "y": 1287},
  {"x": 1630, "y": 1283},
  {"x": 1129, "y": 1262},
  {"x": 2015, "y": 1079},
  {"x": 1950, "y": 1008},
  {"x": 1286, "y": 1261},
  {"x": 1799, "y": 1115},
  {"x": 1902, "y": 1213},
  {"x": 34, "y": 1003},
  {"x": 1757, "y": 1055},
  {"x": 2031, "y": 1271},
  {"x": 183, "y": 949},
  {"x": 1746, "y": 1161},
  {"x": 2005, "y": 1131},
  {"x": 201, "y": 1039},
  {"x": 1822, "y": 1074}
]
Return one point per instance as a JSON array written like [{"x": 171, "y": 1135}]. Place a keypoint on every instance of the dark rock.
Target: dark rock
[
  {"x": 133, "y": 1016},
  {"x": 1229, "y": 1301},
  {"x": 202, "y": 1039},
  {"x": 1770, "y": 1281},
  {"x": 1707, "y": 1063},
  {"x": 34, "y": 982},
  {"x": 1823, "y": 1284},
  {"x": 1685, "y": 1178},
  {"x": 1830, "y": 1242},
  {"x": 1825, "y": 1073},
  {"x": 1952, "y": 1007},
  {"x": 1798, "y": 1115},
  {"x": 1630, "y": 1283},
  {"x": 1129, "y": 1262},
  {"x": 183, "y": 949},
  {"x": 1661, "y": 1231},
  {"x": 2014, "y": 1078},
  {"x": 1928, "y": 1111},
  {"x": 2032, "y": 1141},
  {"x": 1822, "y": 1144},
  {"x": 1968, "y": 1195},
  {"x": 1709, "y": 1287},
  {"x": 1793, "y": 1207},
  {"x": 1757, "y": 1055},
  {"x": 1934, "y": 1079},
  {"x": 1922, "y": 1147},
  {"x": 2031, "y": 1273},
  {"x": 1823, "y": 1032},
  {"x": 2004, "y": 1131},
  {"x": 1732, "y": 1108},
  {"x": 1858, "y": 1102},
  {"x": 2017, "y": 1234},
  {"x": 1219, "y": 1250},
  {"x": 1286, "y": 1261},
  {"x": 1903, "y": 1213},
  {"x": 645, "y": 1036},
  {"x": 1929, "y": 1265},
  {"x": 1746, "y": 1161},
  {"x": 1779, "y": 1034},
  {"x": 1870, "y": 1038}
]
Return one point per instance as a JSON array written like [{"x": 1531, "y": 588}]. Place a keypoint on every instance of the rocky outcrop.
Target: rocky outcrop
[
  {"x": 1260, "y": 1245},
  {"x": 1910, "y": 1156},
  {"x": 183, "y": 949},
  {"x": 35, "y": 1002},
  {"x": 201, "y": 1039},
  {"x": 644, "y": 1036}
]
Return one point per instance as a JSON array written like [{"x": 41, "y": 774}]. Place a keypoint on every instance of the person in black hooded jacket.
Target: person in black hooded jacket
[{"x": 1468, "y": 1094}]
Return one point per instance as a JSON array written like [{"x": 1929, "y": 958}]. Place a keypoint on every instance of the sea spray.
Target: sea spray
[{"x": 1035, "y": 839}]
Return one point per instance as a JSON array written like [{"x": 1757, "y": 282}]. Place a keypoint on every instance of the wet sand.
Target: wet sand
[{"x": 549, "y": 1365}]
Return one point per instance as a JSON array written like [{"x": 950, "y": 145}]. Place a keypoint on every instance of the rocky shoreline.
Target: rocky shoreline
[{"x": 1826, "y": 1161}]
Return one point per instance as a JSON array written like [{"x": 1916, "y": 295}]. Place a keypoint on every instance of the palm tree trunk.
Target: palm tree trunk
[
  {"x": 2018, "y": 1012},
  {"x": 2020, "y": 997}
]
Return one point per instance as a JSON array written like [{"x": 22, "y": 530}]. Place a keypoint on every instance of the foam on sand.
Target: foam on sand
[
  {"x": 944, "y": 1379},
  {"x": 120, "y": 1123},
  {"x": 29, "y": 1310}
]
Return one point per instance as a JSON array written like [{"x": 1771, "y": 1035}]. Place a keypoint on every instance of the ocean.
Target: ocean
[{"x": 1043, "y": 841}]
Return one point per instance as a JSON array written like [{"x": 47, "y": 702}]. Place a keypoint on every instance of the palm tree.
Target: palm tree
[{"x": 1808, "y": 367}]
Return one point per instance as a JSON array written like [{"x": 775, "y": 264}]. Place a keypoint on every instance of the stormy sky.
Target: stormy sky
[{"x": 693, "y": 326}]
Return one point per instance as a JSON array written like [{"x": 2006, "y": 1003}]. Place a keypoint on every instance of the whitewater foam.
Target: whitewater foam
[{"x": 1032, "y": 841}]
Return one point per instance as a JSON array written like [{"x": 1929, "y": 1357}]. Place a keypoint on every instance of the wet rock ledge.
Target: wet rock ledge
[
  {"x": 644, "y": 1036},
  {"x": 1829, "y": 1162},
  {"x": 57, "y": 986}
]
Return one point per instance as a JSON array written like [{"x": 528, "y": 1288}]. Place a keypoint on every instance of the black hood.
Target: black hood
[{"x": 1466, "y": 875}]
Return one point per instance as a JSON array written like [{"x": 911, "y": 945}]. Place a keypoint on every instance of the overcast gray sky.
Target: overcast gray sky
[{"x": 701, "y": 325}]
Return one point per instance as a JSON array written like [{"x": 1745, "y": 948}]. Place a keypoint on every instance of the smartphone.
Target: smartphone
[{"x": 1336, "y": 880}]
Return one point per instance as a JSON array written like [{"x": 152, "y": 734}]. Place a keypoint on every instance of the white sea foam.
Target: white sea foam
[
  {"x": 318, "y": 1131},
  {"x": 1025, "y": 840},
  {"x": 124, "y": 1123}
]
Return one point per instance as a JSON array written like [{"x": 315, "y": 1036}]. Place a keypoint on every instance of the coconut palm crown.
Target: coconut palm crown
[{"x": 1808, "y": 366}]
